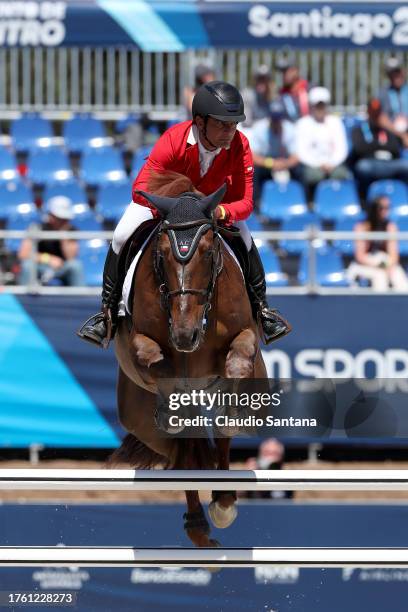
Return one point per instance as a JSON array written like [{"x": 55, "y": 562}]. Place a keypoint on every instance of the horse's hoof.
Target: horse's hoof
[
  {"x": 222, "y": 517},
  {"x": 214, "y": 544}
]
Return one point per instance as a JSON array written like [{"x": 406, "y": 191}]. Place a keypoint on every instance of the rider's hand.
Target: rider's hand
[{"x": 220, "y": 213}]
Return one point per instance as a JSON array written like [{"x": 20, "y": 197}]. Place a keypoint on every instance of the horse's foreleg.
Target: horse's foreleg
[
  {"x": 195, "y": 522},
  {"x": 222, "y": 509},
  {"x": 241, "y": 355}
]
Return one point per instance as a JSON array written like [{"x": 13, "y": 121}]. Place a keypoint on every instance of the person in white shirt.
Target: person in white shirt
[{"x": 320, "y": 143}]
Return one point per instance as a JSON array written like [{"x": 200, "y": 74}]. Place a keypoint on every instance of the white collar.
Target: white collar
[{"x": 193, "y": 139}]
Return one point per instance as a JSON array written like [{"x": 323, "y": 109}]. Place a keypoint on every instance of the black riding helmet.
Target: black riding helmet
[{"x": 219, "y": 100}]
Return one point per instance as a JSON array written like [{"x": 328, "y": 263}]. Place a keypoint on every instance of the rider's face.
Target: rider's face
[{"x": 219, "y": 133}]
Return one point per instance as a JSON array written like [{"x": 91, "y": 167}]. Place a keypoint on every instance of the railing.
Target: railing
[
  {"x": 125, "y": 79},
  {"x": 312, "y": 235}
]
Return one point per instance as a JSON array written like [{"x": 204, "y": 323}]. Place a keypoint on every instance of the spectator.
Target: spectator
[
  {"x": 294, "y": 90},
  {"x": 272, "y": 144},
  {"x": 56, "y": 259},
  {"x": 270, "y": 457},
  {"x": 258, "y": 98},
  {"x": 321, "y": 144},
  {"x": 375, "y": 151},
  {"x": 203, "y": 73},
  {"x": 378, "y": 260},
  {"x": 394, "y": 100}
]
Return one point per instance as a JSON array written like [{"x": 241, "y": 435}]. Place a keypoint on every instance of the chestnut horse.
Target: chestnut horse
[{"x": 189, "y": 320}]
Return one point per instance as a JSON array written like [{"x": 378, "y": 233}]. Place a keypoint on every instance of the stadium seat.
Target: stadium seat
[
  {"x": 298, "y": 223},
  {"x": 15, "y": 198},
  {"x": 49, "y": 166},
  {"x": 139, "y": 159},
  {"x": 101, "y": 166},
  {"x": 346, "y": 224},
  {"x": 92, "y": 254},
  {"x": 70, "y": 189},
  {"x": 82, "y": 133},
  {"x": 280, "y": 201},
  {"x": 8, "y": 169},
  {"x": 113, "y": 198},
  {"x": 397, "y": 193},
  {"x": 30, "y": 133},
  {"x": 20, "y": 221},
  {"x": 253, "y": 223},
  {"x": 329, "y": 268},
  {"x": 122, "y": 124},
  {"x": 350, "y": 122},
  {"x": 336, "y": 199},
  {"x": 402, "y": 224},
  {"x": 273, "y": 274},
  {"x": 87, "y": 223}
]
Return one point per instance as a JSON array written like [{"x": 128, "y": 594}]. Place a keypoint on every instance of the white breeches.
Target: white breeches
[{"x": 135, "y": 215}]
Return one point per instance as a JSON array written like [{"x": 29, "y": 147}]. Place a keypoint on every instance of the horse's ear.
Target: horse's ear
[
  {"x": 210, "y": 202},
  {"x": 163, "y": 204}
]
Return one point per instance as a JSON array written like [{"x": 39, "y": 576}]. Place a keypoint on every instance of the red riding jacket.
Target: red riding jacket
[{"x": 234, "y": 166}]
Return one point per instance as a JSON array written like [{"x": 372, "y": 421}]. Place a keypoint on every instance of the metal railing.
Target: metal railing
[
  {"x": 314, "y": 236},
  {"x": 125, "y": 79}
]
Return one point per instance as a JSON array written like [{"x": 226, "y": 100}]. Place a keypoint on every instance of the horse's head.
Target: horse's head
[{"x": 187, "y": 260}]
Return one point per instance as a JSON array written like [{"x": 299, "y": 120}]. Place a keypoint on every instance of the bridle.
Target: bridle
[{"x": 216, "y": 266}]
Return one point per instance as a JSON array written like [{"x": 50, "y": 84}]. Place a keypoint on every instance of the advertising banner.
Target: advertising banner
[{"x": 164, "y": 25}]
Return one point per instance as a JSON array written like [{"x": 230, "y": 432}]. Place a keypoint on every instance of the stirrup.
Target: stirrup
[{"x": 104, "y": 315}]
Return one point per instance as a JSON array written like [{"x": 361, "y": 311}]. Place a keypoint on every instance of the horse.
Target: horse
[{"x": 190, "y": 318}]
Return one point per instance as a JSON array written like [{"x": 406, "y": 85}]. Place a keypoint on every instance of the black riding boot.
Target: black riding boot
[
  {"x": 100, "y": 328},
  {"x": 272, "y": 325}
]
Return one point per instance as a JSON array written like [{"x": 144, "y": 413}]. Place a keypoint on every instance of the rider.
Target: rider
[{"x": 210, "y": 151}]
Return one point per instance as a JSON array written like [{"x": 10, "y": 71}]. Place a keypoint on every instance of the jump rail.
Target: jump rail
[
  {"x": 202, "y": 557},
  {"x": 216, "y": 480}
]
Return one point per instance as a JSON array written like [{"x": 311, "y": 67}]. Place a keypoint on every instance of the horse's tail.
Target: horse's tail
[
  {"x": 136, "y": 454},
  {"x": 199, "y": 453}
]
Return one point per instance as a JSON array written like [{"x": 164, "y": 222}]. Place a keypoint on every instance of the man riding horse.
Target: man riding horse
[{"x": 210, "y": 151}]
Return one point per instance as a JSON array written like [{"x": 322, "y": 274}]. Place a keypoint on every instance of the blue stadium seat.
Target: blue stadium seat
[
  {"x": 20, "y": 221},
  {"x": 336, "y": 199},
  {"x": 139, "y": 159},
  {"x": 346, "y": 224},
  {"x": 329, "y": 268},
  {"x": 87, "y": 223},
  {"x": 122, "y": 124},
  {"x": 101, "y": 166},
  {"x": 70, "y": 189},
  {"x": 280, "y": 201},
  {"x": 350, "y": 122},
  {"x": 15, "y": 198},
  {"x": 30, "y": 133},
  {"x": 92, "y": 254},
  {"x": 8, "y": 169},
  {"x": 273, "y": 274},
  {"x": 82, "y": 133},
  {"x": 48, "y": 166},
  {"x": 403, "y": 244},
  {"x": 397, "y": 193},
  {"x": 113, "y": 198},
  {"x": 299, "y": 223}
]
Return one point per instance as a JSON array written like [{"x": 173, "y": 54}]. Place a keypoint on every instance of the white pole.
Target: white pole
[
  {"x": 205, "y": 480},
  {"x": 202, "y": 557}
]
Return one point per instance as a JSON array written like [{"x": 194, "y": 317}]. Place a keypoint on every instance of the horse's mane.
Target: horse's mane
[{"x": 170, "y": 184}]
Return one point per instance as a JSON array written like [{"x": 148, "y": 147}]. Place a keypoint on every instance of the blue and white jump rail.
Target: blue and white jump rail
[
  {"x": 183, "y": 480},
  {"x": 205, "y": 480}
]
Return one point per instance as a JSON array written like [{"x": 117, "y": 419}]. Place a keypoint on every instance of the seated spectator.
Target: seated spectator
[
  {"x": 378, "y": 260},
  {"x": 270, "y": 457},
  {"x": 394, "y": 100},
  {"x": 321, "y": 144},
  {"x": 203, "y": 73},
  {"x": 258, "y": 98},
  {"x": 56, "y": 259},
  {"x": 272, "y": 144},
  {"x": 294, "y": 91},
  {"x": 375, "y": 151}
]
